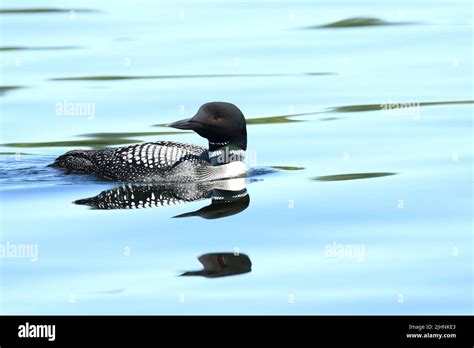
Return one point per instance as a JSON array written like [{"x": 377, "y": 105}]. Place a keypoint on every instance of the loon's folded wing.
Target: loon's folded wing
[
  {"x": 148, "y": 161},
  {"x": 159, "y": 154}
]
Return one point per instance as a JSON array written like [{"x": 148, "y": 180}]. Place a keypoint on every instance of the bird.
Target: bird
[{"x": 221, "y": 123}]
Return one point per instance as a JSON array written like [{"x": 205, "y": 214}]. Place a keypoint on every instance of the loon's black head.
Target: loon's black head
[{"x": 220, "y": 123}]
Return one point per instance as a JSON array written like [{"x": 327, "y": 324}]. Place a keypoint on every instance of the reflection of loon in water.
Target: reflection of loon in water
[
  {"x": 229, "y": 197},
  {"x": 222, "y": 265}
]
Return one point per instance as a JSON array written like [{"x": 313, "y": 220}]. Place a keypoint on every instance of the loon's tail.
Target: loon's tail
[{"x": 75, "y": 161}]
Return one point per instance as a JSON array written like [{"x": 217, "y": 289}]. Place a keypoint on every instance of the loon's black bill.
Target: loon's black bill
[{"x": 183, "y": 124}]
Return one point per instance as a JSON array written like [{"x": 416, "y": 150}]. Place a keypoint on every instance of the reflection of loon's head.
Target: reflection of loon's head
[
  {"x": 222, "y": 265},
  {"x": 220, "y": 123},
  {"x": 224, "y": 203}
]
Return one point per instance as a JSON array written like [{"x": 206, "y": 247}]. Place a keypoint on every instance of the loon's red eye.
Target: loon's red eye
[{"x": 216, "y": 118}]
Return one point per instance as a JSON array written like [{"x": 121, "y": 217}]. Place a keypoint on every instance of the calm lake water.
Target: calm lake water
[{"x": 359, "y": 200}]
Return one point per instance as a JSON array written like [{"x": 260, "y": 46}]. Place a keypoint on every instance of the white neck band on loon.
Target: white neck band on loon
[
  {"x": 237, "y": 142},
  {"x": 225, "y": 153},
  {"x": 216, "y": 144}
]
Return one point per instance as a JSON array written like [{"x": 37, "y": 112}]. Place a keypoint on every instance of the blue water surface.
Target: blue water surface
[{"x": 405, "y": 239}]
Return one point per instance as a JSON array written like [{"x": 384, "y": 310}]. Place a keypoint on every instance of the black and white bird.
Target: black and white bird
[{"x": 222, "y": 124}]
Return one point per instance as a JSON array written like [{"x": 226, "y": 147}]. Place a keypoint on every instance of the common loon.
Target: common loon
[{"x": 222, "y": 124}]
